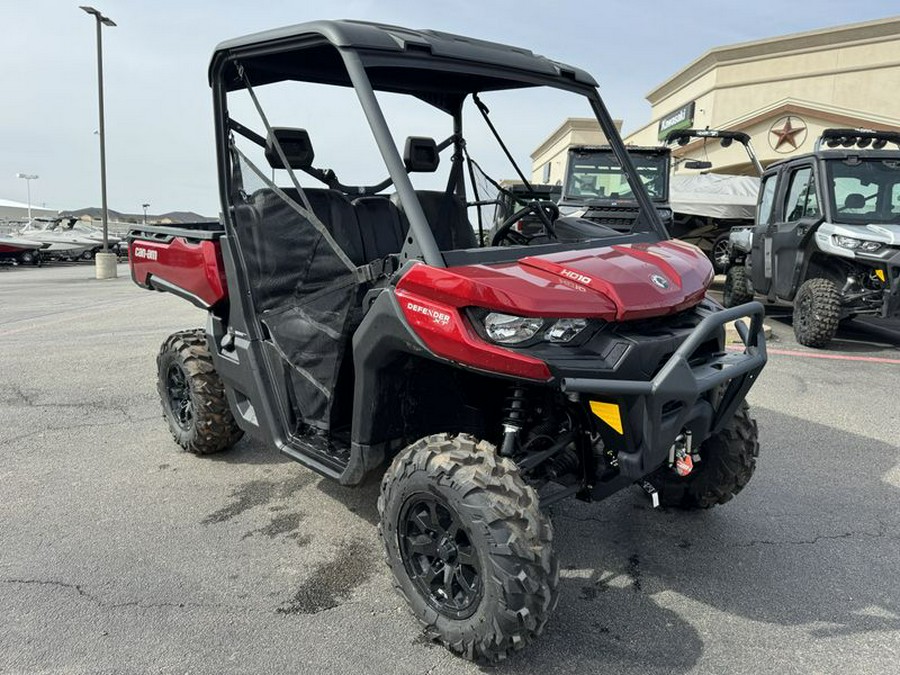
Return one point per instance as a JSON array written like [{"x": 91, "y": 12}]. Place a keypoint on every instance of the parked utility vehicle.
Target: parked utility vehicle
[
  {"x": 348, "y": 327},
  {"x": 596, "y": 185},
  {"x": 698, "y": 209},
  {"x": 707, "y": 206},
  {"x": 827, "y": 235}
]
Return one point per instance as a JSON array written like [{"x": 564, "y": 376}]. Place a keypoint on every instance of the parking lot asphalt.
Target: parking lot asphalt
[{"x": 119, "y": 553}]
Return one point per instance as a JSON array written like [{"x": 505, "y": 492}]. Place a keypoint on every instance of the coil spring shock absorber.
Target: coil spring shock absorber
[{"x": 513, "y": 418}]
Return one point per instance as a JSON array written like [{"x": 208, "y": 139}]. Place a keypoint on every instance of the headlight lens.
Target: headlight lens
[
  {"x": 565, "y": 329},
  {"x": 854, "y": 244},
  {"x": 509, "y": 330}
]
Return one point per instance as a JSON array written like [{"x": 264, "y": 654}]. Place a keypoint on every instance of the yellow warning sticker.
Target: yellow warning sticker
[{"x": 609, "y": 413}]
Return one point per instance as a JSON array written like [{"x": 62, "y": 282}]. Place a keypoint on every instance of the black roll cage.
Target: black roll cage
[
  {"x": 399, "y": 56},
  {"x": 685, "y": 136}
]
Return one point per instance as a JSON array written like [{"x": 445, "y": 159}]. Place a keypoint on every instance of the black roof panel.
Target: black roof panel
[{"x": 368, "y": 37}]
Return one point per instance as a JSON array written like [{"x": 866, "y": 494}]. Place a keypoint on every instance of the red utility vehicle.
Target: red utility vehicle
[{"x": 351, "y": 328}]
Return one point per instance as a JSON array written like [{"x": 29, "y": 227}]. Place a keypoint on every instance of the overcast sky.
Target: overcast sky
[{"x": 158, "y": 105}]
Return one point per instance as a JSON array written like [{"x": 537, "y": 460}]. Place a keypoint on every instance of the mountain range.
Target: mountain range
[{"x": 169, "y": 217}]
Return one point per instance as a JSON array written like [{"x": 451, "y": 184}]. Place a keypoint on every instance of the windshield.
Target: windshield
[
  {"x": 597, "y": 174},
  {"x": 413, "y": 175},
  {"x": 864, "y": 190}
]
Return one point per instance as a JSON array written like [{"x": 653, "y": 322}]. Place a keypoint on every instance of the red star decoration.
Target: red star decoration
[{"x": 787, "y": 134}]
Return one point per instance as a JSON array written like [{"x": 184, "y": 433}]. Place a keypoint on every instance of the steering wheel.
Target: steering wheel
[{"x": 547, "y": 211}]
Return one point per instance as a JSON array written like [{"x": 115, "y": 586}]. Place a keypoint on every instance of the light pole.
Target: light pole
[
  {"x": 28, "y": 177},
  {"x": 145, "y": 212},
  {"x": 105, "y": 268}
]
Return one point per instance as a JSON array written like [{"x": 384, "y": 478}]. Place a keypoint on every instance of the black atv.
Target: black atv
[
  {"x": 352, "y": 327},
  {"x": 827, "y": 235}
]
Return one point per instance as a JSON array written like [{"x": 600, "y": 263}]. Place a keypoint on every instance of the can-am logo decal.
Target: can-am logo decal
[
  {"x": 440, "y": 318},
  {"x": 660, "y": 281},
  {"x": 575, "y": 276},
  {"x": 146, "y": 253}
]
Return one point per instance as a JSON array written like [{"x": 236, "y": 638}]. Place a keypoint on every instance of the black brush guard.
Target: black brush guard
[{"x": 674, "y": 399}]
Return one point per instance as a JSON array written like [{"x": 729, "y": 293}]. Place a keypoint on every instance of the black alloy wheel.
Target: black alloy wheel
[
  {"x": 720, "y": 254},
  {"x": 193, "y": 398},
  {"x": 468, "y": 546},
  {"x": 439, "y": 556},
  {"x": 179, "y": 396}
]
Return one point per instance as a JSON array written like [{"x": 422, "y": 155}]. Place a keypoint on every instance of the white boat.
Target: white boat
[
  {"x": 81, "y": 228},
  {"x": 60, "y": 243},
  {"x": 19, "y": 249}
]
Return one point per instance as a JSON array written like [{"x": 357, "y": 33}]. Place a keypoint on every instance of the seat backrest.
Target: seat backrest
[
  {"x": 446, "y": 215},
  {"x": 380, "y": 226},
  {"x": 283, "y": 250},
  {"x": 854, "y": 201},
  {"x": 337, "y": 215}
]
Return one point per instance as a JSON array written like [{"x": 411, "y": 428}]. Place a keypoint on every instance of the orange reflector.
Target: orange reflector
[{"x": 609, "y": 413}]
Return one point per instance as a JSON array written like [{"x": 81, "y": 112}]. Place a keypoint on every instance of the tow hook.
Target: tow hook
[
  {"x": 647, "y": 487},
  {"x": 681, "y": 455}
]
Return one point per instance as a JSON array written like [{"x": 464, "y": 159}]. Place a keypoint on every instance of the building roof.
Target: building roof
[
  {"x": 569, "y": 125},
  {"x": 11, "y": 204},
  {"x": 816, "y": 40}
]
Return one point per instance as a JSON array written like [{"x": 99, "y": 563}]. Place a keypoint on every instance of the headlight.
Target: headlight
[
  {"x": 565, "y": 329},
  {"x": 509, "y": 330},
  {"x": 855, "y": 244}
]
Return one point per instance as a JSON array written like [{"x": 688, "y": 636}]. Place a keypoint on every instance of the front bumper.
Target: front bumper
[{"x": 701, "y": 397}]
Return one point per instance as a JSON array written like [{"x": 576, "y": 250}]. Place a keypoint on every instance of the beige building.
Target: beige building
[
  {"x": 548, "y": 161},
  {"x": 782, "y": 91}
]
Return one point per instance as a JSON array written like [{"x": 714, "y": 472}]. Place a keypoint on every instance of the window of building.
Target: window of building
[{"x": 545, "y": 176}]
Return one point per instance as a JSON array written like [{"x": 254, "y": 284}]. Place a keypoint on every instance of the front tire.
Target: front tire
[
  {"x": 468, "y": 546},
  {"x": 817, "y": 312},
  {"x": 736, "y": 290},
  {"x": 727, "y": 462},
  {"x": 193, "y": 396}
]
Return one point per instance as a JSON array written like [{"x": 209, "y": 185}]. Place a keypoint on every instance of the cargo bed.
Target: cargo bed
[{"x": 183, "y": 259}]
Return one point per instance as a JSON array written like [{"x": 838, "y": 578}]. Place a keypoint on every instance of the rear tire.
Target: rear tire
[
  {"x": 192, "y": 395},
  {"x": 727, "y": 462},
  {"x": 817, "y": 312},
  {"x": 501, "y": 547},
  {"x": 718, "y": 254},
  {"x": 736, "y": 290}
]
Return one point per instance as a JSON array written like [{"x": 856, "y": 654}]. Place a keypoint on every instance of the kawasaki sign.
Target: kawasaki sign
[{"x": 682, "y": 118}]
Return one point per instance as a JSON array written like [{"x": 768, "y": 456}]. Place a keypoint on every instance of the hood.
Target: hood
[
  {"x": 886, "y": 233},
  {"x": 614, "y": 283}
]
